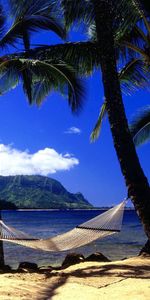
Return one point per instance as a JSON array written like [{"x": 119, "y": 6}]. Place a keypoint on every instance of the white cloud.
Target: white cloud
[
  {"x": 43, "y": 162},
  {"x": 73, "y": 130}
]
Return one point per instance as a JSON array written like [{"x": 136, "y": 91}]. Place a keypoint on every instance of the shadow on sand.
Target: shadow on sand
[{"x": 93, "y": 275}]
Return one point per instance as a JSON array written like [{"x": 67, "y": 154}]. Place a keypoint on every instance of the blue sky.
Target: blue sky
[{"x": 42, "y": 140}]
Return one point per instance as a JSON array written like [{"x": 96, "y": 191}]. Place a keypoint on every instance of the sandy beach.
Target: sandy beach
[{"x": 126, "y": 279}]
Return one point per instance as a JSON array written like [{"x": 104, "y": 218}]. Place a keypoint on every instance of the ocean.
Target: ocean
[{"x": 43, "y": 224}]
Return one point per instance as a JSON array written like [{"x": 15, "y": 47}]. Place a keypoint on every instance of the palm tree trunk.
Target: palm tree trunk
[
  {"x": 136, "y": 182},
  {"x": 2, "y": 263},
  {"x": 146, "y": 249}
]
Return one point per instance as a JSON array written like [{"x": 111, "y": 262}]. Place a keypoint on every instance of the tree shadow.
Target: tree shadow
[
  {"x": 51, "y": 290},
  {"x": 112, "y": 272}
]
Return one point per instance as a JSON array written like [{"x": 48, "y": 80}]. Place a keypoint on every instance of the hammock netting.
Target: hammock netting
[{"x": 103, "y": 225}]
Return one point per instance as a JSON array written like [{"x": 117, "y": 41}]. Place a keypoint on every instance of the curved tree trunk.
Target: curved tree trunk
[
  {"x": 1, "y": 249},
  {"x": 136, "y": 182}
]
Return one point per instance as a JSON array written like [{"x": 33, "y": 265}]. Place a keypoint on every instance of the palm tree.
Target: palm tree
[
  {"x": 38, "y": 77},
  {"x": 130, "y": 39},
  {"x": 133, "y": 48},
  {"x": 107, "y": 23},
  {"x": 136, "y": 182}
]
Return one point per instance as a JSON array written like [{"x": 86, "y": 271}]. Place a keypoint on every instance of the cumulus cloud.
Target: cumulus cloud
[
  {"x": 43, "y": 162},
  {"x": 73, "y": 130}
]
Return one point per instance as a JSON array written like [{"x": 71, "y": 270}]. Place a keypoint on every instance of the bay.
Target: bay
[{"x": 43, "y": 224}]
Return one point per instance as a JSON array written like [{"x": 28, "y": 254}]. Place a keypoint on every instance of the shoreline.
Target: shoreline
[
  {"x": 128, "y": 279},
  {"x": 65, "y": 209}
]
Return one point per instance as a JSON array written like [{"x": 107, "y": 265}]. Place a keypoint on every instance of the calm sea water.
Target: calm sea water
[{"x": 49, "y": 223}]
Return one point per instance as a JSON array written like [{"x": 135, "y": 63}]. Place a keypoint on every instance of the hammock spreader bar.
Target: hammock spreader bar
[
  {"x": 91, "y": 228},
  {"x": 103, "y": 225}
]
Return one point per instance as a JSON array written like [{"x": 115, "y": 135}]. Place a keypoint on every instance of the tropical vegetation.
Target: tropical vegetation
[
  {"x": 38, "y": 78},
  {"x": 107, "y": 21},
  {"x": 114, "y": 23},
  {"x": 36, "y": 191},
  {"x": 140, "y": 126},
  {"x": 134, "y": 47}
]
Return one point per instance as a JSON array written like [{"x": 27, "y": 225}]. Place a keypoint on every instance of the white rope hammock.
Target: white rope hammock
[{"x": 101, "y": 226}]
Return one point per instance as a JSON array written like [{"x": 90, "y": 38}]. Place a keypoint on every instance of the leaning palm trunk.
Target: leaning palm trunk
[
  {"x": 1, "y": 249},
  {"x": 136, "y": 182}
]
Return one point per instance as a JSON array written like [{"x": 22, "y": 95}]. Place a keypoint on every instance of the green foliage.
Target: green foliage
[
  {"x": 78, "y": 11},
  {"x": 96, "y": 131},
  {"x": 39, "y": 192},
  {"x": 7, "y": 205},
  {"x": 83, "y": 56},
  {"x": 29, "y": 17},
  {"x": 20, "y": 8},
  {"x": 21, "y": 29},
  {"x": 39, "y": 78},
  {"x": 134, "y": 75},
  {"x": 140, "y": 126},
  {"x": 131, "y": 43},
  {"x": 125, "y": 14}
]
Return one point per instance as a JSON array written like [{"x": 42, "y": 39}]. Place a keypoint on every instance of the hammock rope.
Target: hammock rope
[{"x": 103, "y": 225}]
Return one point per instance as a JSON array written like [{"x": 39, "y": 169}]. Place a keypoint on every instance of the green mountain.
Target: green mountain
[
  {"x": 39, "y": 192},
  {"x": 7, "y": 205}
]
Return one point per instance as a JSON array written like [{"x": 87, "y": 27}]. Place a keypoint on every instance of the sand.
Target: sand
[{"x": 126, "y": 280}]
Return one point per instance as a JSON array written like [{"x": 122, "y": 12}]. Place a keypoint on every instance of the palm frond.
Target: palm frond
[
  {"x": 2, "y": 20},
  {"x": 23, "y": 8},
  {"x": 40, "y": 90},
  {"x": 126, "y": 16},
  {"x": 96, "y": 131},
  {"x": 17, "y": 7},
  {"x": 62, "y": 74},
  {"x": 27, "y": 83},
  {"x": 28, "y": 25},
  {"x": 78, "y": 11},
  {"x": 137, "y": 36},
  {"x": 134, "y": 76},
  {"x": 140, "y": 126},
  {"x": 83, "y": 56},
  {"x": 57, "y": 75},
  {"x": 131, "y": 44},
  {"x": 8, "y": 80},
  {"x": 134, "y": 10},
  {"x": 29, "y": 17}
]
